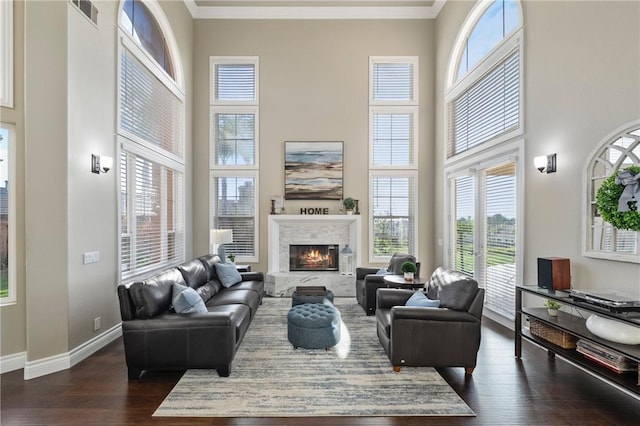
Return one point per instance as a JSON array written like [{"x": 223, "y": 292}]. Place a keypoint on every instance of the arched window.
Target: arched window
[
  {"x": 617, "y": 151},
  {"x": 483, "y": 98},
  {"x": 151, "y": 134},
  {"x": 484, "y": 150},
  {"x": 139, "y": 23}
]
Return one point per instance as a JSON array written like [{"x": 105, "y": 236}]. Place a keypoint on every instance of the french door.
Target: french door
[{"x": 483, "y": 230}]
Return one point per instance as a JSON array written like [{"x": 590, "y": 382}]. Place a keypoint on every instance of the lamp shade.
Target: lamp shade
[{"x": 220, "y": 236}]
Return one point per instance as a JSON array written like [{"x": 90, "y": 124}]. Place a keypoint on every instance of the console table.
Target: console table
[{"x": 575, "y": 326}]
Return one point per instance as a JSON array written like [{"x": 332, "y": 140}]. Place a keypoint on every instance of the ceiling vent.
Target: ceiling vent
[{"x": 88, "y": 9}]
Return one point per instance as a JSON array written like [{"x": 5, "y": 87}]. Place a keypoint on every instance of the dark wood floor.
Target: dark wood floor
[{"x": 503, "y": 391}]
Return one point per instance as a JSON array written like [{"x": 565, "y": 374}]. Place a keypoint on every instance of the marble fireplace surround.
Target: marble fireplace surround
[{"x": 284, "y": 230}]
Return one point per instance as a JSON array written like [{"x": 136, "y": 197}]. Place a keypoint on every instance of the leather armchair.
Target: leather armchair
[
  {"x": 368, "y": 283},
  {"x": 431, "y": 337}
]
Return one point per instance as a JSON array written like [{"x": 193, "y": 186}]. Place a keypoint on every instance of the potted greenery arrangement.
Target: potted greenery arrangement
[
  {"x": 349, "y": 204},
  {"x": 552, "y": 307},
  {"x": 232, "y": 258},
  {"x": 409, "y": 269}
]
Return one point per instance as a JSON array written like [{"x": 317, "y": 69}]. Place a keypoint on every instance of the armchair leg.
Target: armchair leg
[
  {"x": 396, "y": 368},
  {"x": 469, "y": 370}
]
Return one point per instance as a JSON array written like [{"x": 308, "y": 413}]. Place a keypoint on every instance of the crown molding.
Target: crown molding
[{"x": 314, "y": 12}]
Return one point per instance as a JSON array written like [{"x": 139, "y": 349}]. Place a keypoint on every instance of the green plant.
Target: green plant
[
  {"x": 552, "y": 304},
  {"x": 231, "y": 257},
  {"x": 349, "y": 203},
  {"x": 607, "y": 203},
  {"x": 409, "y": 267}
]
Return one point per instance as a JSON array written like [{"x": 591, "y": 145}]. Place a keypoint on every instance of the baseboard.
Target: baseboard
[
  {"x": 52, "y": 364},
  {"x": 12, "y": 362}
]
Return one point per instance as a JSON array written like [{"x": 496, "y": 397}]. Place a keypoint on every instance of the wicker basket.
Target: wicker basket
[{"x": 552, "y": 334}]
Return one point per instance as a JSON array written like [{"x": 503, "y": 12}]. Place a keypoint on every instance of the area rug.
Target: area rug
[{"x": 271, "y": 379}]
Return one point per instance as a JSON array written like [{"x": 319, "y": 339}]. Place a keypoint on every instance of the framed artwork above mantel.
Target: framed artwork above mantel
[{"x": 313, "y": 170}]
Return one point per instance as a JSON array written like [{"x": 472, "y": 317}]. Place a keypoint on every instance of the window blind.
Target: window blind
[
  {"x": 235, "y": 139},
  {"x": 393, "y": 138},
  {"x": 148, "y": 109},
  {"x": 463, "y": 227},
  {"x": 152, "y": 229},
  {"x": 393, "y": 81},
  {"x": 498, "y": 270},
  {"x": 488, "y": 109},
  {"x": 235, "y": 209},
  {"x": 393, "y": 215},
  {"x": 235, "y": 82}
]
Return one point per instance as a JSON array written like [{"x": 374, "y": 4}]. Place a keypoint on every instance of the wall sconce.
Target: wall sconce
[
  {"x": 545, "y": 163},
  {"x": 101, "y": 164},
  {"x": 221, "y": 237}
]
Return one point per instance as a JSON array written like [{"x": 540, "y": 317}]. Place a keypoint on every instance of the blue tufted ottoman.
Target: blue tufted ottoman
[{"x": 313, "y": 326}]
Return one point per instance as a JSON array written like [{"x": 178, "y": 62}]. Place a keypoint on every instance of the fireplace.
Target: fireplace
[{"x": 313, "y": 257}]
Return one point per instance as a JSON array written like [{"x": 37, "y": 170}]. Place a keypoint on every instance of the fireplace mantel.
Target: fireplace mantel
[{"x": 304, "y": 229}]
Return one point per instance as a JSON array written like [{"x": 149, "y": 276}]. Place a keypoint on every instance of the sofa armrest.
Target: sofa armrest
[
  {"x": 390, "y": 297},
  {"x": 430, "y": 314},
  {"x": 252, "y": 276},
  {"x": 362, "y": 272}
]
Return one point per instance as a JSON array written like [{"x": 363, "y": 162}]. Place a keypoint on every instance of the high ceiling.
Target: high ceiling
[{"x": 314, "y": 9}]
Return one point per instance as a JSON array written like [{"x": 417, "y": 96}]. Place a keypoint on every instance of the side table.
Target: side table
[{"x": 398, "y": 281}]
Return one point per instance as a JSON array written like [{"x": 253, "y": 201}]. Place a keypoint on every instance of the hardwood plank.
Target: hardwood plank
[{"x": 503, "y": 390}]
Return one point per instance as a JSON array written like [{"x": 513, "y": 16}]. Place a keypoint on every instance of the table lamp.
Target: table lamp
[{"x": 220, "y": 237}]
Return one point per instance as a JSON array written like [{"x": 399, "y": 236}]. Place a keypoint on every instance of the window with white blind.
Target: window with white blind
[
  {"x": 151, "y": 136},
  {"x": 8, "y": 293},
  {"x": 233, "y": 205},
  {"x": 483, "y": 99},
  {"x": 616, "y": 152},
  {"x": 483, "y": 229},
  {"x": 394, "y": 213},
  {"x": 6, "y": 54},
  {"x": 234, "y": 123},
  {"x": 393, "y": 152}
]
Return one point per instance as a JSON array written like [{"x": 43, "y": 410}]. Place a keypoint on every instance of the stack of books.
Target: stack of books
[{"x": 606, "y": 357}]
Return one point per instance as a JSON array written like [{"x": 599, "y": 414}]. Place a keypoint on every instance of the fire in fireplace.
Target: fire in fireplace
[{"x": 313, "y": 257}]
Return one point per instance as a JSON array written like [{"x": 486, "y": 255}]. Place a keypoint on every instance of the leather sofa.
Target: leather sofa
[
  {"x": 448, "y": 336},
  {"x": 157, "y": 338},
  {"x": 368, "y": 281}
]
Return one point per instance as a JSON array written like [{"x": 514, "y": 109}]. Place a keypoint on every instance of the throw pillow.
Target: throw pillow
[
  {"x": 228, "y": 274},
  {"x": 383, "y": 271},
  {"x": 186, "y": 300},
  {"x": 454, "y": 290},
  {"x": 419, "y": 299}
]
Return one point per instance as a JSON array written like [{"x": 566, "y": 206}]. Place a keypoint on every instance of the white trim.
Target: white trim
[
  {"x": 64, "y": 361},
  {"x": 314, "y": 12},
  {"x": 234, "y": 60},
  {"x": 248, "y": 110},
  {"x": 6, "y": 50},
  {"x": 12, "y": 362},
  {"x": 586, "y": 190}
]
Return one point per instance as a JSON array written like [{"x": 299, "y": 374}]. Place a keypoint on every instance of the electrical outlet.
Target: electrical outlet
[
  {"x": 91, "y": 257},
  {"x": 97, "y": 323}
]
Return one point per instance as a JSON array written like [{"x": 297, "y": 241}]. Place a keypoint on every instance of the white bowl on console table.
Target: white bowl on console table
[{"x": 614, "y": 331}]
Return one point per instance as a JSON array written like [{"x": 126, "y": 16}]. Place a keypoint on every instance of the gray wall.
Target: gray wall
[
  {"x": 70, "y": 78},
  {"x": 581, "y": 69},
  {"x": 314, "y": 86}
]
